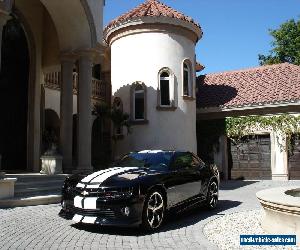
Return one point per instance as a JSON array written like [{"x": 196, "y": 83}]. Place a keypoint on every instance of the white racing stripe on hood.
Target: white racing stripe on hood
[
  {"x": 88, "y": 178},
  {"x": 101, "y": 178}
]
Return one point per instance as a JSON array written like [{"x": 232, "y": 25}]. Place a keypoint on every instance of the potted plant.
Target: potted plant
[
  {"x": 50, "y": 140},
  {"x": 51, "y": 160}
]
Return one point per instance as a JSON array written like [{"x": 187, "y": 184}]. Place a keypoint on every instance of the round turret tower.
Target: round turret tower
[{"x": 153, "y": 73}]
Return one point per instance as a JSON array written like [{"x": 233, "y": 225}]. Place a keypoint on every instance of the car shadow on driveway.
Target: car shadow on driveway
[
  {"x": 173, "y": 221},
  {"x": 235, "y": 184}
]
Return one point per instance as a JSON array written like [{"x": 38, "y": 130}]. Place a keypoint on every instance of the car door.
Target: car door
[
  {"x": 203, "y": 173},
  {"x": 185, "y": 178}
]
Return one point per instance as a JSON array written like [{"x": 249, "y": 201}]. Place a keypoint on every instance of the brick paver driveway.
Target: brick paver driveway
[{"x": 40, "y": 228}]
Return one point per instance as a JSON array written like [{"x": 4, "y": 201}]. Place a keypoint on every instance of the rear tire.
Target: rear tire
[
  {"x": 154, "y": 211},
  {"x": 212, "y": 195}
]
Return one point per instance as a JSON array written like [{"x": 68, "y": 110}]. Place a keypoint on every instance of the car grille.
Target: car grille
[
  {"x": 101, "y": 212},
  {"x": 102, "y": 193}
]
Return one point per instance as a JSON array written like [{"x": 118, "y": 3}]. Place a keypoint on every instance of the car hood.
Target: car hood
[{"x": 115, "y": 176}]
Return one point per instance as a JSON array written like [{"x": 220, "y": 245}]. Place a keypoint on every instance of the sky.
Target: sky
[{"x": 235, "y": 31}]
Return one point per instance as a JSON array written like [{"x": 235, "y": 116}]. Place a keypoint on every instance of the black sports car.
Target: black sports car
[{"x": 139, "y": 189}]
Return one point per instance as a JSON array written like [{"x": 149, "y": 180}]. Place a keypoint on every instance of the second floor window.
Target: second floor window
[
  {"x": 165, "y": 89},
  {"x": 139, "y": 102},
  {"x": 186, "y": 80}
]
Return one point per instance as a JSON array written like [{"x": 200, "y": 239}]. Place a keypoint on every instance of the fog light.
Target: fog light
[
  {"x": 125, "y": 211},
  {"x": 63, "y": 204}
]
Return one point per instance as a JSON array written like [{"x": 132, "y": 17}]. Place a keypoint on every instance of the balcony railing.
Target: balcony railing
[{"x": 52, "y": 81}]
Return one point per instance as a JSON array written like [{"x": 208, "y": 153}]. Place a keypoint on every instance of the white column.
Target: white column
[
  {"x": 279, "y": 156},
  {"x": 84, "y": 108},
  {"x": 66, "y": 112}
]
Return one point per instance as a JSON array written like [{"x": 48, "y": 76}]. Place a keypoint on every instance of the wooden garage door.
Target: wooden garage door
[
  {"x": 294, "y": 160},
  {"x": 251, "y": 158}
]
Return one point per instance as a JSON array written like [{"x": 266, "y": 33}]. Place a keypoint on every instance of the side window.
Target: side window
[
  {"x": 167, "y": 97},
  {"x": 182, "y": 160},
  {"x": 138, "y": 103},
  {"x": 187, "y": 78},
  {"x": 165, "y": 89}
]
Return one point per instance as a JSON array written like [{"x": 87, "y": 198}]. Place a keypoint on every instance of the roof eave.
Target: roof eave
[
  {"x": 247, "y": 107},
  {"x": 108, "y": 32}
]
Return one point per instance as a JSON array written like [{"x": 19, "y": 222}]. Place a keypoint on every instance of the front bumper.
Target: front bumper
[{"x": 106, "y": 213}]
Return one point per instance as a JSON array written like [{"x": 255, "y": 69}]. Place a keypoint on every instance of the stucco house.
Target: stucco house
[
  {"x": 66, "y": 65},
  {"x": 58, "y": 62}
]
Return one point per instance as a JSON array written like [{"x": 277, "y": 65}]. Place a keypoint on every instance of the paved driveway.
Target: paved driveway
[{"x": 40, "y": 228}]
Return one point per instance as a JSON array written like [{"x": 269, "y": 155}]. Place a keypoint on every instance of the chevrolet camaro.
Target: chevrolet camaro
[{"x": 139, "y": 189}]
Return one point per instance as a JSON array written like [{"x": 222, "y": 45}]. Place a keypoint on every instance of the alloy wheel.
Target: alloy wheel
[
  {"x": 155, "y": 210},
  {"x": 213, "y": 194}
]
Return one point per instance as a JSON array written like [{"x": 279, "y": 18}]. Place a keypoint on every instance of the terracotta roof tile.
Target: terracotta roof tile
[
  {"x": 262, "y": 85},
  {"x": 152, "y": 8},
  {"x": 199, "y": 67}
]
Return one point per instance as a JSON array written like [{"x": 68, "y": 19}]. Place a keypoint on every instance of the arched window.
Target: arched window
[
  {"x": 138, "y": 102},
  {"x": 164, "y": 84},
  {"x": 187, "y": 79}
]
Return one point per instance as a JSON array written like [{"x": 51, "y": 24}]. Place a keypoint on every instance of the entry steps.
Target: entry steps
[{"x": 35, "y": 189}]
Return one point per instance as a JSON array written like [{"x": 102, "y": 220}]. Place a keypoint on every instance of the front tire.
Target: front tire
[
  {"x": 154, "y": 211},
  {"x": 212, "y": 195}
]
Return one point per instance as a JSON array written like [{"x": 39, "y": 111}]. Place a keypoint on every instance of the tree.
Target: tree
[
  {"x": 118, "y": 118},
  {"x": 286, "y": 44}
]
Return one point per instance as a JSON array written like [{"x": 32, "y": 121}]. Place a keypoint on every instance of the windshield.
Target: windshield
[{"x": 157, "y": 160}]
